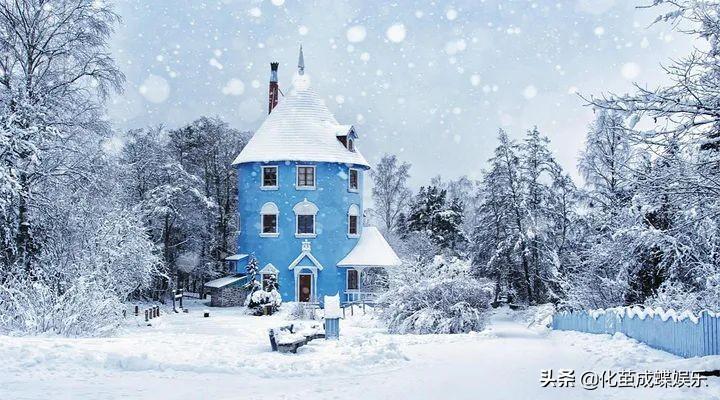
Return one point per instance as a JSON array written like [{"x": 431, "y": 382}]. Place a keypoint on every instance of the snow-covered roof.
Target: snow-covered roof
[
  {"x": 269, "y": 269},
  {"x": 236, "y": 257},
  {"x": 300, "y": 128},
  {"x": 224, "y": 281},
  {"x": 372, "y": 250}
]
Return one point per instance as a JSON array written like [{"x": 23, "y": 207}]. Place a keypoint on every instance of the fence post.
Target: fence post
[
  {"x": 146, "y": 315},
  {"x": 182, "y": 294},
  {"x": 137, "y": 310}
]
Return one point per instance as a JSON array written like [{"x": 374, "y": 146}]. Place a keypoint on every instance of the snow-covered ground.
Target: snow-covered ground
[{"x": 227, "y": 356}]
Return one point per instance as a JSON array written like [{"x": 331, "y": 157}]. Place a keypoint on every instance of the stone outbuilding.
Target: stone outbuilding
[{"x": 228, "y": 291}]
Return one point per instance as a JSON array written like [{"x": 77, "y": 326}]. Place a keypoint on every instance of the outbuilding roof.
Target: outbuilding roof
[
  {"x": 224, "y": 281},
  {"x": 372, "y": 250},
  {"x": 300, "y": 128},
  {"x": 236, "y": 257}
]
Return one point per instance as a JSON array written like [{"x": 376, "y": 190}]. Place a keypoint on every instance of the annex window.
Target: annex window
[
  {"x": 353, "y": 279},
  {"x": 305, "y": 213},
  {"x": 306, "y": 177},
  {"x": 270, "y": 177},
  {"x": 353, "y": 220},
  {"x": 353, "y": 180},
  {"x": 269, "y": 219}
]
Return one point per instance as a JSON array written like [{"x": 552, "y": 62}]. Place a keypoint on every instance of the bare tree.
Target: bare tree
[{"x": 390, "y": 192}]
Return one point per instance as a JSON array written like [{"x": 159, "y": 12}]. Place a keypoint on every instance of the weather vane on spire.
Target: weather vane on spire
[{"x": 301, "y": 63}]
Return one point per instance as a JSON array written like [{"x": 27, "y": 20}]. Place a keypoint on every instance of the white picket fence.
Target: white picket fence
[{"x": 683, "y": 334}]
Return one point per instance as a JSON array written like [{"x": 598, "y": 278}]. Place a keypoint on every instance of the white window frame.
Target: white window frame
[
  {"x": 297, "y": 176},
  {"x": 262, "y": 177},
  {"x": 353, "y": 211},
  {"x": 350, "y": 188},
  {"x": 267, "y": 207},
  {"x": 305, "y": 208},
  {"x": 347, "y": 280}
]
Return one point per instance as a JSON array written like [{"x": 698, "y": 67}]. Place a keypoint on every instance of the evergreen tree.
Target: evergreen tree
[{"x": 431, "y": 214}]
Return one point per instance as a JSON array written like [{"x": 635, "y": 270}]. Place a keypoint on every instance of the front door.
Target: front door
[{"x": 305, "y": 288}]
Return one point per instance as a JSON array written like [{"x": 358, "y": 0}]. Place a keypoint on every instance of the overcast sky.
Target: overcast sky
[{"x": 429, "y": 81}]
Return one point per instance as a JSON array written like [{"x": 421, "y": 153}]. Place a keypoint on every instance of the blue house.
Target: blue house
[{"x": 300, "y": 203}]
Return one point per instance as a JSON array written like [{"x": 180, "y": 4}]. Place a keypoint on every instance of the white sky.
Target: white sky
[{"x": 429, "y": 81}]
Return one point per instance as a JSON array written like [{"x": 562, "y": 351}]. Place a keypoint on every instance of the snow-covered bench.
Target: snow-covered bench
[{"x": 287, "y": 339}]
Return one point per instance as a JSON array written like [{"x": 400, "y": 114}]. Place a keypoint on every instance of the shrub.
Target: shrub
[{"x": 436, "y": 297}]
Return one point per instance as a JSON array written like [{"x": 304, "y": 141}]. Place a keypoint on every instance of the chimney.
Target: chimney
[{"x": 273, "y": 89}]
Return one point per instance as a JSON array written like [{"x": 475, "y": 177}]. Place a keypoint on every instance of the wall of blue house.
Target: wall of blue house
[{"x": 333, "y": 199}]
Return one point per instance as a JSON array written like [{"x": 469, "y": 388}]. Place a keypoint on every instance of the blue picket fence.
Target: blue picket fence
[{"x": 683, "y": 334}]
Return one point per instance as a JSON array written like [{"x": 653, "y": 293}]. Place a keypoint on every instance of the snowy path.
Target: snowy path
[{"x": 226, "y": 357}]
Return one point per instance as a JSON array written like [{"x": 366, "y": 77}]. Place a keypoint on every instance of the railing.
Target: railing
[
  {"x": 682, "y": 334},
  {"x": 356, "y": 296}
]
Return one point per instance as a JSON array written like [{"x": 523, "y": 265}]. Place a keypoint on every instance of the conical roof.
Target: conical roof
[{"x": 300, "y": 128}]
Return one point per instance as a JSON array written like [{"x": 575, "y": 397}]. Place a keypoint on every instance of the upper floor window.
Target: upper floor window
[
  {"x": 354, "y": 221},
  {"x": 305, "y": 177},
  {"x": 351, "y": 144},
  {"x": 269, "y": 219},
  {"x": 270, "y": 177},
  {"x": 305, "y": 213},
  {"x": 353, "y": 180}
]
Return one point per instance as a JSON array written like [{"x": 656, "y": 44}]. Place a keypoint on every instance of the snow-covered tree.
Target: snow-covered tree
[
  {"x": 55, "y": 74},
  {"x": 523, "y": 221},
  {"x": 653, "y": 240}
]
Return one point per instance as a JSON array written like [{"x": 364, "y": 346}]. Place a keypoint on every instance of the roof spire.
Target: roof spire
[{"x": 301, "y": 63}]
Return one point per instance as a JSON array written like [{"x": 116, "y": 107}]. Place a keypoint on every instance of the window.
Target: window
[
  {"x": 305, "y": 213},
  {"x": 269, "y": 219},
  {"x": 353, "y": 182},
  {"x": 305, "y": 224},
  {"x": 353, "y": 225},
  {"x": 269, "y": 223},
  {"x": 351, "y": 145},
  {"x": 270, "y": 177},
  {"x": 306, "y": 177},
  {"x": 353, "y": 220},
  {"x": 353, "y": 279}
]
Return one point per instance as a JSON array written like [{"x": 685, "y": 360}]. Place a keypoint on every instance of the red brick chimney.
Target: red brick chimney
[{"x": 273, "y": 89}]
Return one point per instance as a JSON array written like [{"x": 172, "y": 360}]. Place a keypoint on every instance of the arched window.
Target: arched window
[
  {"x": 305, "y": 213},
  {"x": 269, "y": 219},
  {"x": 354, "y": 220}
]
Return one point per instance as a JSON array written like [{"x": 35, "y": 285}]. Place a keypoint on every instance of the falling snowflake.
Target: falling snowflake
[
  {"x": 234, "y": 87},
  {"x": 396, "y": 33},
  {"x": 630, "y": 70},
  {"x": 529, "y": 92},
  {"x": 155, "y": 89},
  {"x": 356, "y": 34}
]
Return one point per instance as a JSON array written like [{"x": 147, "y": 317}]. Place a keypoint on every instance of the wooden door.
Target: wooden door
[{"x": 305, "y": 288}]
